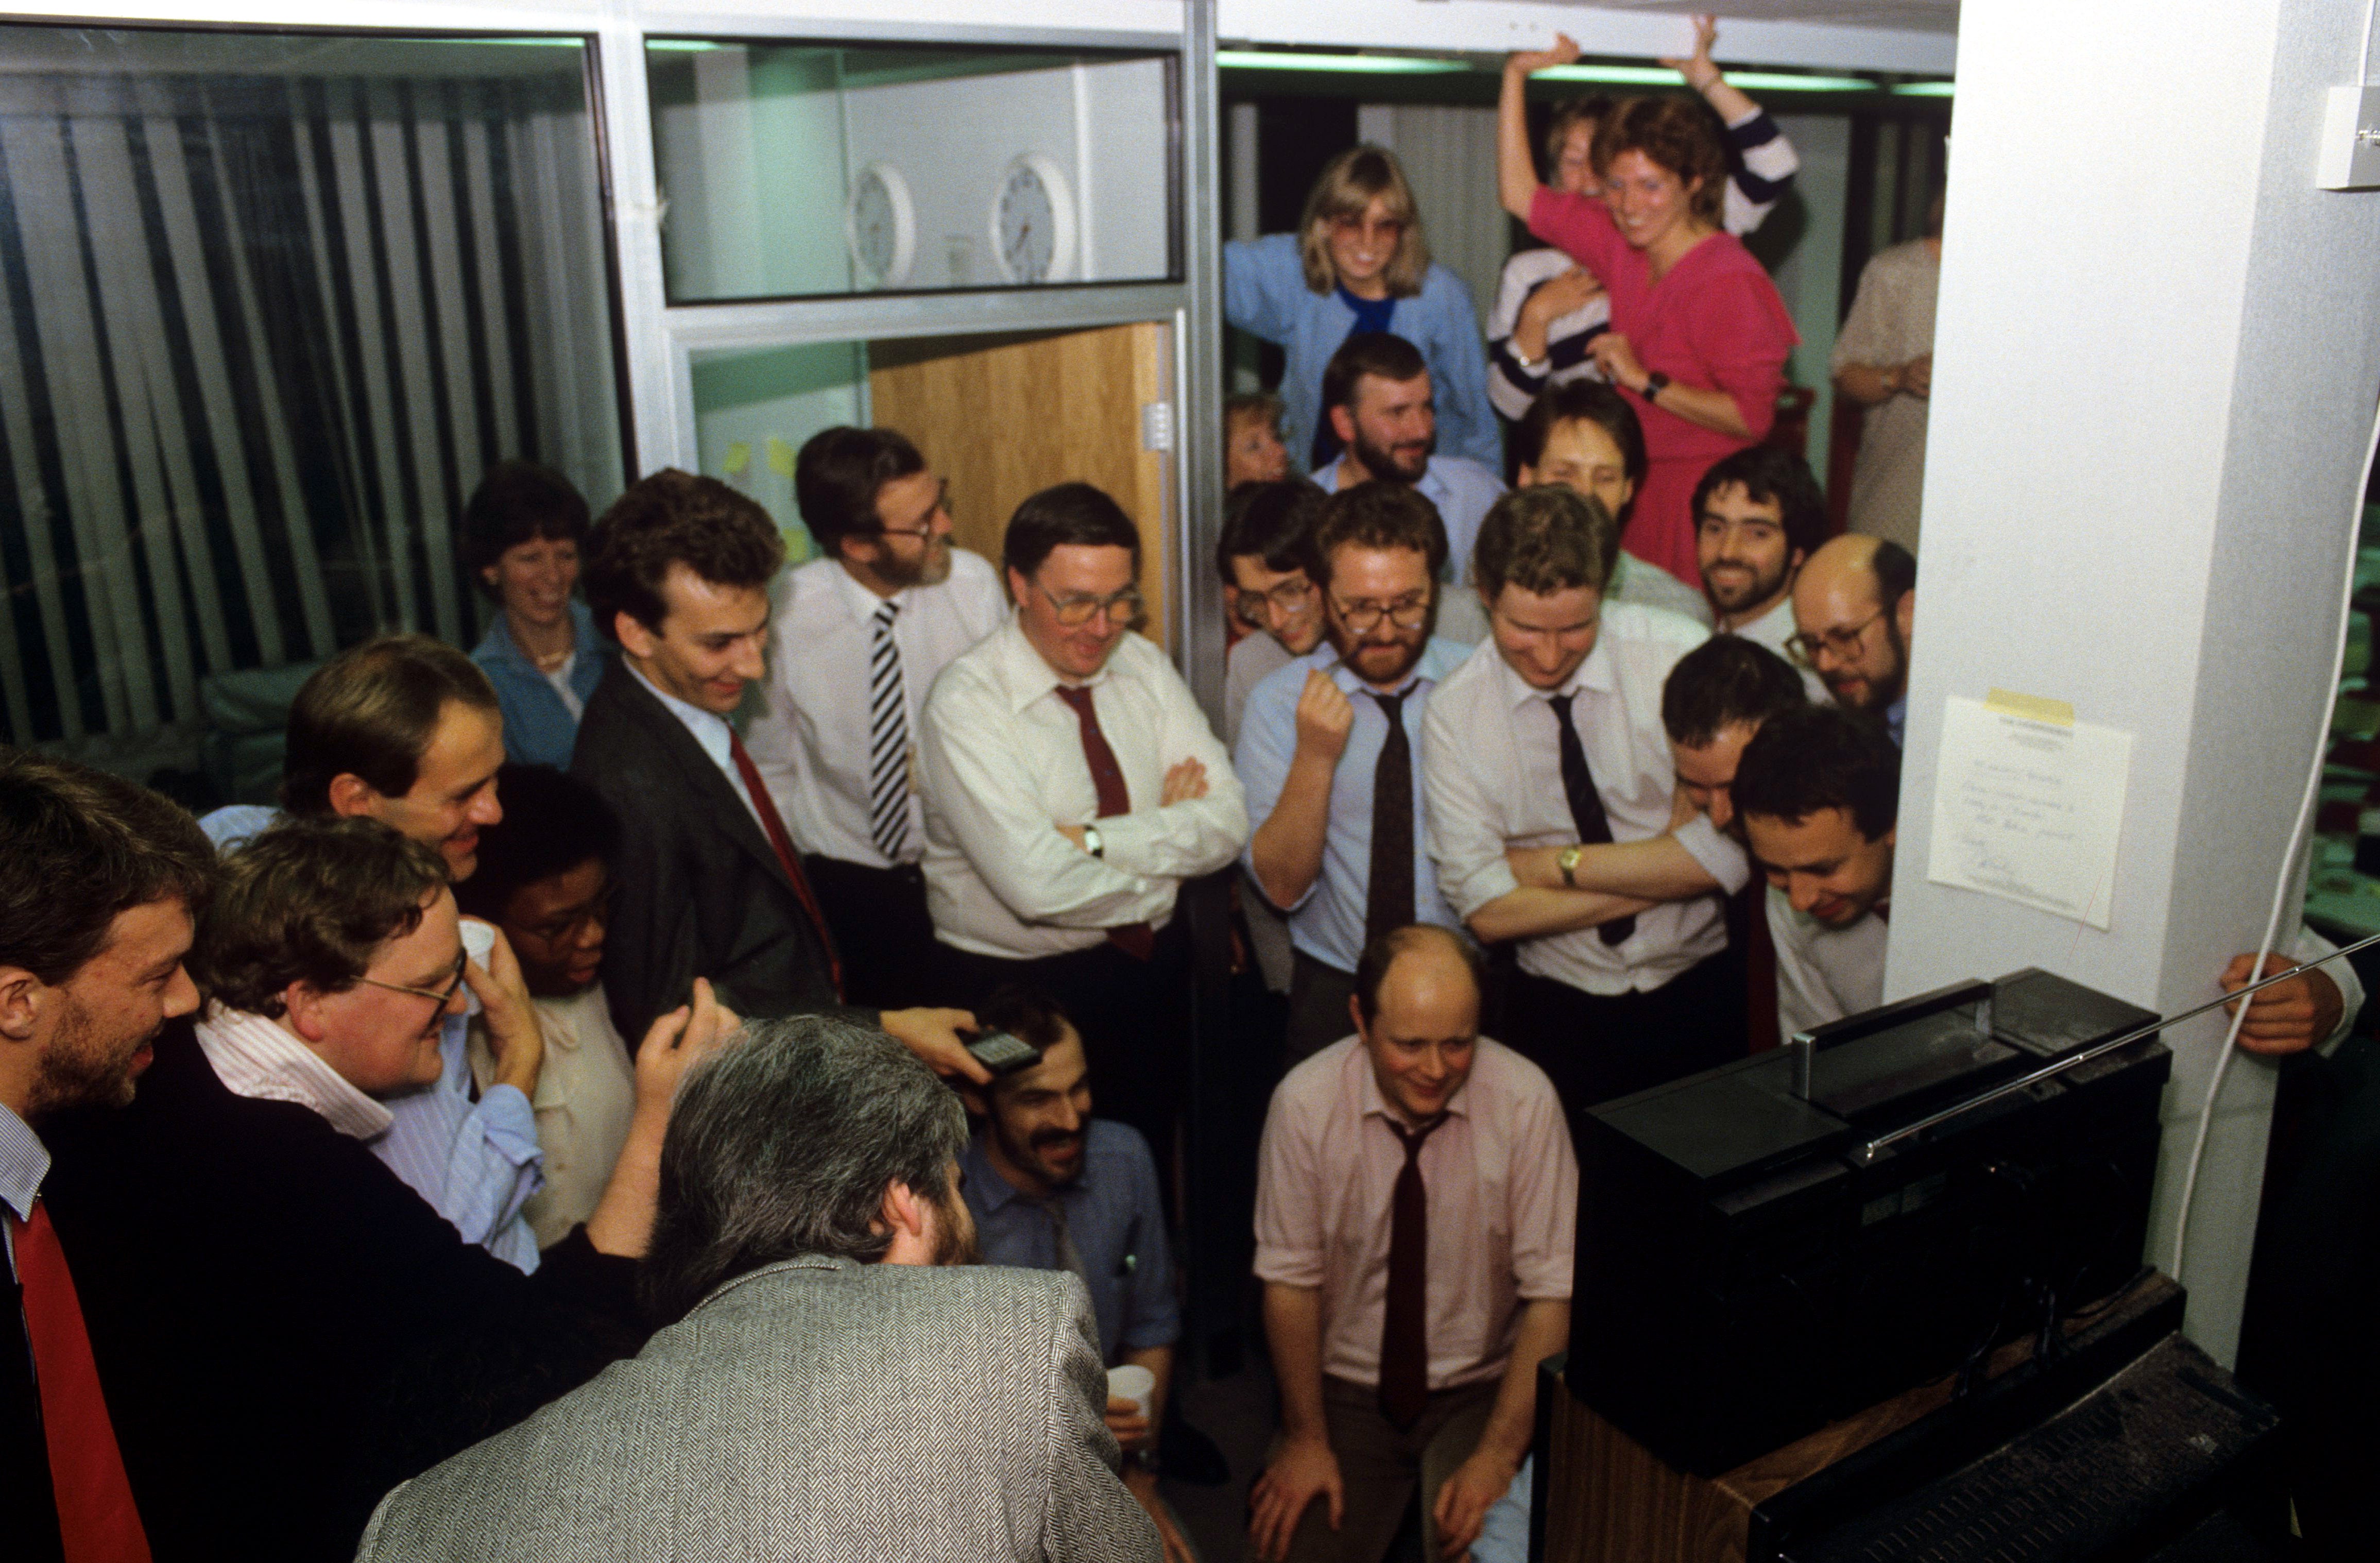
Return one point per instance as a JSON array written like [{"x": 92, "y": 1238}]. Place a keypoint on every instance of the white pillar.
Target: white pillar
[{"x": 2157, "y": 357}]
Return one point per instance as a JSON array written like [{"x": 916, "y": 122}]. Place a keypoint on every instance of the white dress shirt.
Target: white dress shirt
[
  {"x": 810, "y": 736},
  {"x": 711, "y": 732},
  {"x": 1772, "y": 629},
  {"x": 1491, "y": 767},
  {"x": 1824, "y": 974},
  {"x": 1002, "y": 760}
]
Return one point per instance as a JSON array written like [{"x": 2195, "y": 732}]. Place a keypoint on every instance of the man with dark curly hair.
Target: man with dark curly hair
[{"x": 706, "y": 880}]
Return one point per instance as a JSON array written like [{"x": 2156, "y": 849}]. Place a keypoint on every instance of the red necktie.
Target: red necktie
[
  {"x": 96, "y": 1517},
  {"x": 1404, "y": 1323},
  {"x": 1135, "y": 940},
  {"x": 774, "y": 827}
]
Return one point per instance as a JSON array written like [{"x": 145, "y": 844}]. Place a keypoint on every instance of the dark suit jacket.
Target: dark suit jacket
[
  {"x": 283, "y": 1329},
  {"x": 697, "y": 891},
  {"x": 813, "y": 1408}
]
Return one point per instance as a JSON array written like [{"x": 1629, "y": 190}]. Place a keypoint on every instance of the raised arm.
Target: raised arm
[{"x": 1516, "y": 170}]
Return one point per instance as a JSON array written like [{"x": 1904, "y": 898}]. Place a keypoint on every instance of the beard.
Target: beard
[
  {"x": 1743, "y": 590},
  {"x": 79, "y": 1069},
  {"x": 931, "y": 568},
  {"x": 1382, "y": 463},
  {"x": 1370, "y": 657}
]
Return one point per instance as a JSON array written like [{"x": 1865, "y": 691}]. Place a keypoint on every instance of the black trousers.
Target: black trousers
[
  {"x": 1134, "y": 1018},
  {"x": 1318, "y": 993},
  {"x": 1599, "y": 1046},
  {"x": 891, "y": 959}
]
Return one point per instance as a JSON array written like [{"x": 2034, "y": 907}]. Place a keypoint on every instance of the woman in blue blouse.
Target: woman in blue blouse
[
  {"x": 1358, "y": 262},
  {"x": 521, "y": 534}
]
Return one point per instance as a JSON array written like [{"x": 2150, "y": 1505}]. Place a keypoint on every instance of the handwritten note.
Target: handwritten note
[{"x": 2030, "y": 809}]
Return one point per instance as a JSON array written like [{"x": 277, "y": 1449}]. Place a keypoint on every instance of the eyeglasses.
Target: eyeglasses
[
  {"x": 1843, "y": 643},
  {"x": 443, "y": 998},
  {"x": 941, "y": 506},
  {"x": 1389, "y": 228},
  {"x": 1408, "y": 612},
  {"x": 1122, "y": 609},
  {"x": 1290, "y": 599}
]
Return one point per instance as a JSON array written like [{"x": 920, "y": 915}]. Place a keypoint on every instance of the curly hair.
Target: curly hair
[
  {"x": 1545, "y": 540},
  {"x": 1346, "y": 190},
  {"x": 518, "y": 502},
  {"x": 311, "y": 901},
  {"x": 1679, "y": 135},
  {"x": 674, "y": 518},
  {"x": 1380, "y": 515}
]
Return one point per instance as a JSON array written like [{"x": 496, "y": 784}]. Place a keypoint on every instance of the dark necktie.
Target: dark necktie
[
  {"x": 1135, "y": 940},
  {"x": 783, "y": 845},
  {"x": 1405, "y": 1326},
  {"x": 1061, "y": 1238},
  {"x": 97, "y": 1520},
  {"x": 1388, "y": 892},
  {"x": 1585, "y": 804}
]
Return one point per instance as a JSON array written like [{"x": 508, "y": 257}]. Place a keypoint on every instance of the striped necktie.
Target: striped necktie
[{"x": 888, "y": 739}]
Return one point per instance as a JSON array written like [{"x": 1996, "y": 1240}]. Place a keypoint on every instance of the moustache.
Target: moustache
[{"x": 1050, "y": 1138}]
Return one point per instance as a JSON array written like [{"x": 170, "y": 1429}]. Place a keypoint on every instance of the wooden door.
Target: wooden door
[{"x": 1005, "y": 417}]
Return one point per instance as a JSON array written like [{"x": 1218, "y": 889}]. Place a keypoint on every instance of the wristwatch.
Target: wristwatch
[
  {"x": 1091, "y": 842},
  {"x": 1567, "y": 861},
  {"x": 1655, "y": 384}
]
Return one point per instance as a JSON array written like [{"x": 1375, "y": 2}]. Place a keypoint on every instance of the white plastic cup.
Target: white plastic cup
[
  {"x": 1132, "y": 1382},
  {"x": 479, "y": 939}
]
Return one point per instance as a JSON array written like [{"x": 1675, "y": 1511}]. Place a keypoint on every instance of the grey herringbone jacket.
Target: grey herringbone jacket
[{"x": 814, "y": 1409}]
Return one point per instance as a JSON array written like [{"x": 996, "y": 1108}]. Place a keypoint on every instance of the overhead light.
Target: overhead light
[
  {"x": 1618, "y": 74},
  {"x": 1923, "y": 89},
  {"x": 1352, "y": 64},
  {"x": 1786, "y": 81},
  {"x": 681, "y": 45}
]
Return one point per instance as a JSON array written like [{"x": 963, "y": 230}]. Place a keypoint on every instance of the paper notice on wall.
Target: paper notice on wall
[{"x": 2030, "y": 808}]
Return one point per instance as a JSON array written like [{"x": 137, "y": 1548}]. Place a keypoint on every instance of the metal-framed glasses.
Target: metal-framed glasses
[
  {"x": 444, "y": 997},
  {"x": 1290, "y": 598},
  {"x": 940, "y": 507},
  {"x": 1843, "y": 643},
  {"x": 1125, "y": 609},
  {"x": 1408, "y": 612}
]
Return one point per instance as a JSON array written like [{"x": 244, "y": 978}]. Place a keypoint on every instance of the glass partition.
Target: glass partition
[
  {"x": 270, "y": 306},
  {"x": 797, "y": 170}
]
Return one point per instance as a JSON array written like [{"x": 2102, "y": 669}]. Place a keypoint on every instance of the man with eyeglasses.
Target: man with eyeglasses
[
  {"x": 1331, "y": 755},
  {"x": 1855, "y": 604},
  {"x": 1556, "y": 821},
  {"x": 544, "y": 883},
  {"x": 1071, "y": 785},
  {"x": 284, "y": 1330},
  {"x": 856, "y": 638},
  {"x": 1377, "y": 393},
  {"x": 1264, "y": 557}
]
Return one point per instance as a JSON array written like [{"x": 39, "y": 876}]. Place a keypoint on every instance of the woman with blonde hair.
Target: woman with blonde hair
[{"x": 1358, "y": 262}]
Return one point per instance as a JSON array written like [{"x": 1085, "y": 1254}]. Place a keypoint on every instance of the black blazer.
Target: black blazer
[
  {"x": 283, "y": 1329},
  {"x": 696, "y": 890}
]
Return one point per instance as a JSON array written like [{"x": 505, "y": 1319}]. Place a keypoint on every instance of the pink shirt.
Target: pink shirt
[
  {"x": 1503, "y": 1207},
  {"x": 1713, "y": 322}
]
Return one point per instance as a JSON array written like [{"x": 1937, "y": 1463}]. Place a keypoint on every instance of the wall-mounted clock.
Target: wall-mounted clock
[
  {"x": 879, "y": 224},
  {"x": 1033, "y": 221}
]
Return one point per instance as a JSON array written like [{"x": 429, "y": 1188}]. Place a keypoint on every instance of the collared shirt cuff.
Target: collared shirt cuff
[
  {"x": 1720, "y": 857},
  {"x": 1493, "y": 882},
  {"x": 1155, "y": 1333},
  {"x": 509, "y": 1123}
]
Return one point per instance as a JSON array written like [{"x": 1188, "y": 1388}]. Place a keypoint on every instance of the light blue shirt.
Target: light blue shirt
[
  {"x": 1896, "y": 718},
  {"x": 1265, "y": 294},
  {"x": 477, "y": 1163},
  {"x": 1504, "y": 1533},
  {"x": 539, "y": 727},
  {"x": 24, "y": 1161},
  {"x": 1327, "y": 922},
  {"x": 1461, "y": 490}
]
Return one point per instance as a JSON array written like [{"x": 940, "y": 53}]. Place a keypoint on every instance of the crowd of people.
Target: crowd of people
[{"x": 526, "y": 1139}]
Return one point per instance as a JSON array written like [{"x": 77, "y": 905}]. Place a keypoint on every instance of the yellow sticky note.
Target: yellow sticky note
[
  {"x": 2033, "y": 708},
  {"x": 781, "y": 458},
  {"x": 739, "y": 455}
]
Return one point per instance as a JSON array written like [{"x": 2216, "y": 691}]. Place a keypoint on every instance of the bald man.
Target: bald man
[{"x": 1854, "y": 606}]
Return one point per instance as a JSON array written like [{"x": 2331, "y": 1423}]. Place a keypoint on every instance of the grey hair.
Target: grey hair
[{"x": 784, "y": 1143}]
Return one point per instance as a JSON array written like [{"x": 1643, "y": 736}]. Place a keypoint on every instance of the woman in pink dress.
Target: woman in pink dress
[{"x": 1699, "y": 335}]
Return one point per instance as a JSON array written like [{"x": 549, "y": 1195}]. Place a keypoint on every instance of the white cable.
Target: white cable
[{"x": 2289, "y": 863}]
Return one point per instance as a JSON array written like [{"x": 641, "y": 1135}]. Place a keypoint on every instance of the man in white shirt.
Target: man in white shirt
[
  {"x": 1818, "y": 790},
  {"x": 1544, "y": 755},
  {"x": 1071, "y": 785},
  {"x": 1330, "y": 756},
  {"x": 1758, "y": 515},
  {"x": 706, "y": 881},
  {"x": 1375, "y": 391},
  {"x": 1714, "y": 699},
  {"x": 857, "y": 639}
]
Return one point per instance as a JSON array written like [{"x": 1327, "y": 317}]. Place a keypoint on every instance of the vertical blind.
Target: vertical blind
[{"x": 260, "y": 336}]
